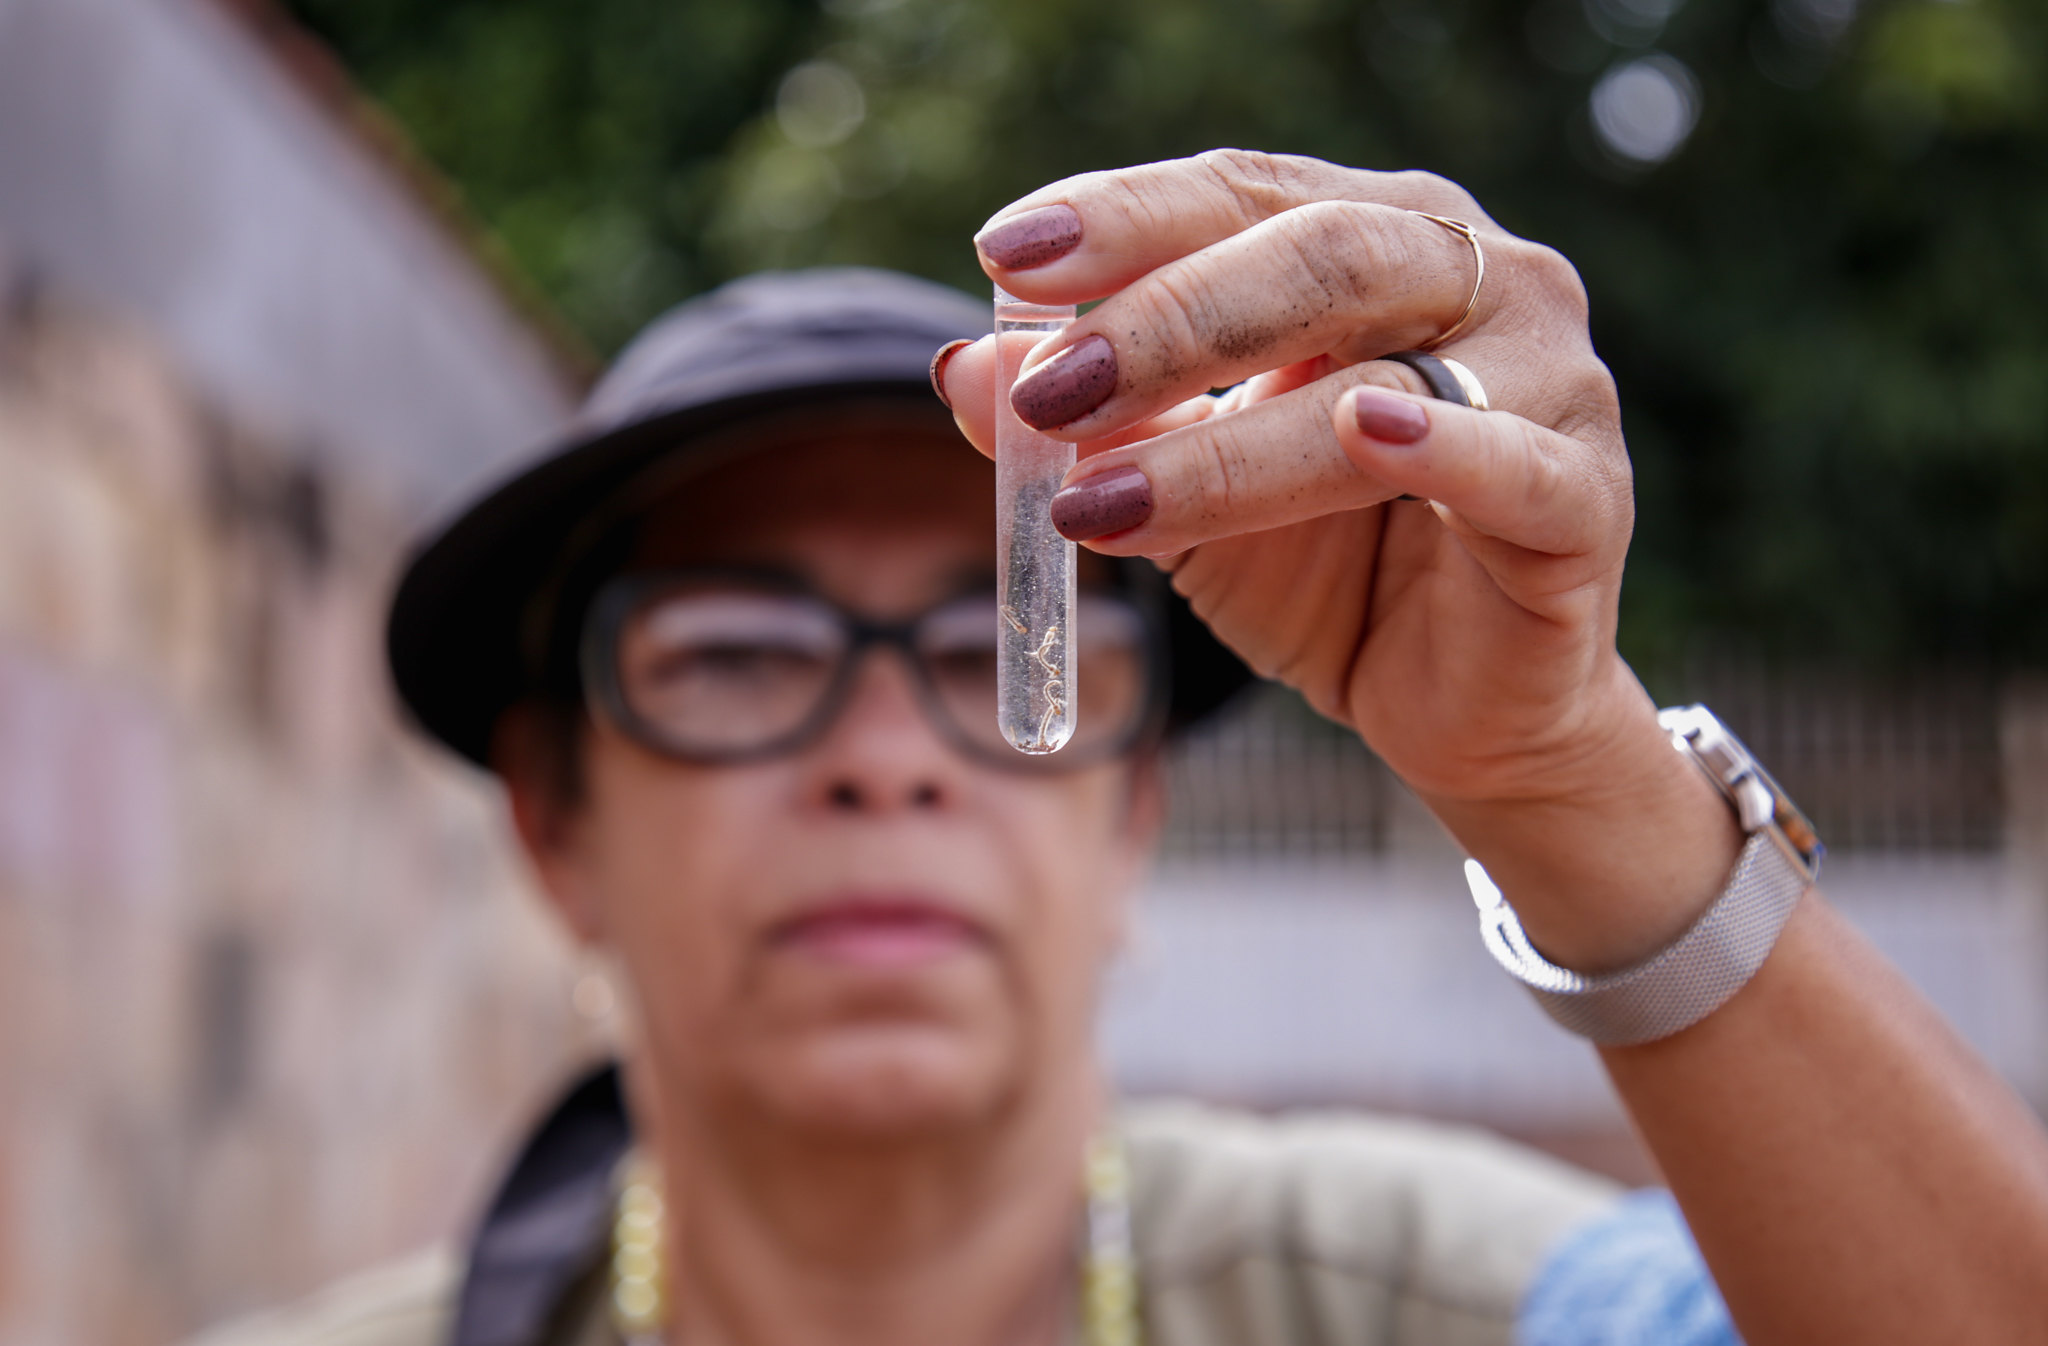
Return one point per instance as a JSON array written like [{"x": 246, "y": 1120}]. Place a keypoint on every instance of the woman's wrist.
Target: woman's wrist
[{"x": 1612, "y": 861}]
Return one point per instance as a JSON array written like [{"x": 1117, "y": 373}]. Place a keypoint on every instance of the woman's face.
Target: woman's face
[{"x": 875, "y": 933}]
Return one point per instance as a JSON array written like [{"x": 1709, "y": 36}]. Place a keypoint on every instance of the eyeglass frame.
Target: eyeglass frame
[{"x": 618, "y": 598}]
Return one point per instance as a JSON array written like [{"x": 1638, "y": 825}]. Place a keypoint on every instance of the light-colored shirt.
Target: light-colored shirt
[
  {"x": 1630, "y": 1277},
  {"x": 1317, "y": 1228}
]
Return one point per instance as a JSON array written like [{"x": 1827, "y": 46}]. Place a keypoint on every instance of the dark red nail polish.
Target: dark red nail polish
[
  {"x": 1388, "y": 418},
  {"x": 1066, "y": 387},
  {"x": 1108, "y": 502},
  {"x": 1033, "y": 238},
  {"x": 938, "y": 370}
]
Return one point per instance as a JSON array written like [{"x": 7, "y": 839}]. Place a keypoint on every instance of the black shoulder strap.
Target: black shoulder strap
[{"x": 548, "y": 1225}]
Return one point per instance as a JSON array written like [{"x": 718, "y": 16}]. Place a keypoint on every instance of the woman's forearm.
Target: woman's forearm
[{"x": 1851, "y": 1169}]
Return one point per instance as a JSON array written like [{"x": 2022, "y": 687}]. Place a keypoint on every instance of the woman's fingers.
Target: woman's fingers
[
  {"x": 1234, "y": 262},
  {"x": 1346, "y": 279},
  {"x": 1259, "y": 467},
  {"x": 1543, "y": 512},
  {"x": 1491, "y": 474},
  {"x": 964, "y": 375},
  {"x": 1086, "y": 236},
  {"x": 1287, "y": 446}
]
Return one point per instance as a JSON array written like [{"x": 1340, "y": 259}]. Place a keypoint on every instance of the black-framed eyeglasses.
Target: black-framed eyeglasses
[{"x": 717, "y": 666}]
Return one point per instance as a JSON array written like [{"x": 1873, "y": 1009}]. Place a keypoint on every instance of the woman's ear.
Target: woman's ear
[{"x": 536, "y": 752}]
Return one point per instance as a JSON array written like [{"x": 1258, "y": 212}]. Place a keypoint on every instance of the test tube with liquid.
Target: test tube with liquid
[{"x": 1034, "y": 564}]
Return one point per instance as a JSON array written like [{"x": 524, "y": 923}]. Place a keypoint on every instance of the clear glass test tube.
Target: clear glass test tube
[{"x": 1034, "y": 564}]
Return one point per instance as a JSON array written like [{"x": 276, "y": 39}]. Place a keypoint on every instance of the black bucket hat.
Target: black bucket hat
[{"x": 762, "y": 345}]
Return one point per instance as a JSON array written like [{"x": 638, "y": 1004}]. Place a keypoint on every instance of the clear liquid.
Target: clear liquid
[{"x": 1034, "y": 564}]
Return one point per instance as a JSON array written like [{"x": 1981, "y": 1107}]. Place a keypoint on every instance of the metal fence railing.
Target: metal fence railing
[
  {"x": 1270, "y": 777},
  {"x": 1888, "y": 763},
  {"x": 1906, "y": 763}
]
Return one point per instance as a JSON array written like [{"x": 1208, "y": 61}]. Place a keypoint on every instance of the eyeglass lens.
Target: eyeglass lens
[{"x": 721, "y": 671}]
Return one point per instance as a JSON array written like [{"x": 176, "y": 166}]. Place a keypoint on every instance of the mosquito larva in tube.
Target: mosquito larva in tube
[{"x": 1034, "y": 564}]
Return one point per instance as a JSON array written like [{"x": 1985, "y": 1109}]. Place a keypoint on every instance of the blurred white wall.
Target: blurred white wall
[
  {"x": 273, "y": 993},
  {"x": 1309, "y": 938},
  {"x": 1365, "y": 982}
]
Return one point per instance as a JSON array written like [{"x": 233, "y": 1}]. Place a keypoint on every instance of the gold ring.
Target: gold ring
[
  {"x": 1470, "y": 235},
  {"x": 1475, "y": 391},
  {"x": 1448, "y": 380}
]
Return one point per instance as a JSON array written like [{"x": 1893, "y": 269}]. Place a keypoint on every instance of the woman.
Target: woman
[{"x": 863, "y": 944}]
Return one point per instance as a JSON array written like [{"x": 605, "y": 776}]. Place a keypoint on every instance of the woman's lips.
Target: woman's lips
[{"x": 877, "y": 932}]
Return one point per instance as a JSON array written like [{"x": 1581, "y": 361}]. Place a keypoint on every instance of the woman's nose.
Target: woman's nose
[{"x": 882, "y": 753}]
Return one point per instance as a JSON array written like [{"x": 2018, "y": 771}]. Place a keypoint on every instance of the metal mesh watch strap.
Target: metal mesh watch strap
[
  {"x": 1696, "y": 974},
  {"x": 1675, "y": 988}
]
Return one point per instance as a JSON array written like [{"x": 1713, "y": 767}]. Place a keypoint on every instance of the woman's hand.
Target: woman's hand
[
  {"x": 1850, "y": 1170},
  {"x": 1470, "y": 639},
  {"x": 1468, "y": 634}
]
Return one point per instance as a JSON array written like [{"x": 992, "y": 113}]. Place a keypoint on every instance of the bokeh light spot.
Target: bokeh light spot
[
  {"x": 819, "y": 104},
  {"x": 1644, "y": 110}
]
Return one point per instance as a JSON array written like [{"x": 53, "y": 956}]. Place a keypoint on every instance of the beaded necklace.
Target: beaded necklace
[{"x": 1109, "y": 1269}]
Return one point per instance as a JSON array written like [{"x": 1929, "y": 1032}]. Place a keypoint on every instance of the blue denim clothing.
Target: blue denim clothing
[{"x": 1631, "y": 1277}]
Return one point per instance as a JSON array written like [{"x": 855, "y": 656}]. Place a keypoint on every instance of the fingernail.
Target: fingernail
[
  {"x": 1108, "y": 502},
  {"x": 1033, "y": 238},
  {"x": 939, "y": 358},
  {"x": 1387, "y": 418},
  {"x": 1066, "y": 387}
]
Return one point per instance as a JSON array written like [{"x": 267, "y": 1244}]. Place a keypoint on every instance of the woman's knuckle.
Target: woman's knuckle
[
  {"x": 1219, "y": 469},
  {"x": 1545, "y": 478},
  {"x": 1433, "y": 192},
  {"x": 1618, "y": 483},
  {"x": 1610, "y": 516},
  {"x": 1576, "y": 381},
  {"x": 1554, "y": 277},
  {"x": 1331, "y": 242},
  {"x": 1238, "y": 166},
  {"x": 1419, "y": 183},
  {"x": 1533, "y": 476},
  {"x": 1175, "y": 312},
  {"x": 1594, "y": 390},
  {"x": 1258, "y": 181},
  {"x": 1150, "y": 202}
]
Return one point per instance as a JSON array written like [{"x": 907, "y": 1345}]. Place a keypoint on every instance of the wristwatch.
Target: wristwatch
[{"x": 1693, "y": 976}]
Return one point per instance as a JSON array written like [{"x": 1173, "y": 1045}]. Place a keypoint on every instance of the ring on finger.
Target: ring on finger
[
  {"x": 1448, "y": 380},
  {"x": 1471, "y": 236}
]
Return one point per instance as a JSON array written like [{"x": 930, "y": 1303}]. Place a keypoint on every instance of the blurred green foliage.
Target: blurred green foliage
[{"x": 1825, "y": 308}]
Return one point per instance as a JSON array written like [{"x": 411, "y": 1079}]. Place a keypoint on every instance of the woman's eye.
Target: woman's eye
[{"x": 736, "y": 660}]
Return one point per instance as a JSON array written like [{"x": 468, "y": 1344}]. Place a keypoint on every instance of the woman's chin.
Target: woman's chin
[{"x": 879, "y": 1080}]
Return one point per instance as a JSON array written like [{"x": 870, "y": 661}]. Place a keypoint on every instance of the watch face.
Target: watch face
[
  {"x": 1793, "y": 827},
  {"x": 1759, "y": 801}
]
